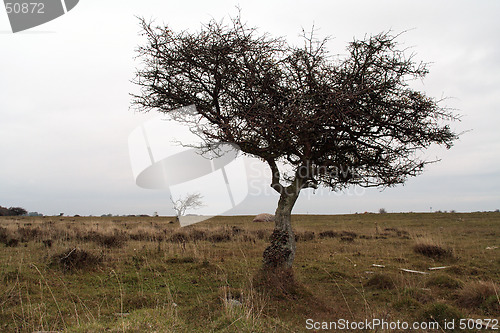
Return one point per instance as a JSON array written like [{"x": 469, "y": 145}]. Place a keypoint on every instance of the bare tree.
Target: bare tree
[
  {"x": 190, "y": 201},
  {"x": 332, "y": 121}
]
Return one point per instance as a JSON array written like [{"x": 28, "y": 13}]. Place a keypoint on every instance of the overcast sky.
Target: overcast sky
[{"x": 65, "y": 118}]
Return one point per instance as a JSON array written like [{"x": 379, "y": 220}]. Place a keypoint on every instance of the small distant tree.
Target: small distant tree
[
  {"x": 313, "y": 118},
  {"x": 17, "y": 211},
  {"x": 382, "y": 211},
  {"x": 4, "y": 211},
  {"x": 190, "y": 201},
  {"x": 36, "y": 214}
]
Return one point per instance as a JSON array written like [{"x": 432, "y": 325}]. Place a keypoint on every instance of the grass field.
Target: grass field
[{"x": 145, "y": 274}]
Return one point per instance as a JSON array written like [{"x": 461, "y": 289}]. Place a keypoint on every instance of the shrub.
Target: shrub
[
  {"x": 304, "y": 236},
  {"x": 439, "y": 312},
  {"x": 179, "y": 237},
  {"x": 349, "y": 234},
  {"x": 443, "y": 281},
  {"x": 114, "y": 240},
  {"x": 7, "y": 239},
  {"x": 328, "y": 234},
  {"x": 12, "y": 242},
  {"x": 17, "y": 211},
  {"x": 29, "y": 234},
  {"x": 197, "y": 235},
  {"x": 432, "y": 250},
  {"x": 347, "y": 239},
  {"x": 4, "y": 235},
  {"x": 111, "y": 241},
  {"x": 140, "y": 235},
  {"x": 217, "y": 237},
  {"x": 75, "y": 259},
  {"x": 480, "y": 294},
  {"x": 12, "y": 211},
  {"x": 4, "y": 211}
]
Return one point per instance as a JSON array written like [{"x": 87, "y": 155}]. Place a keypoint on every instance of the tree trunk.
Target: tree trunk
[{"x": 281, "y": 252}]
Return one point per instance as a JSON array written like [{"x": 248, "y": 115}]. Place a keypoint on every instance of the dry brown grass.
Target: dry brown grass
[
  {"x": 74, "y": 259},
  {"x": 432, "y": 249},
  {"x": 189, "y": 279},
  {"x": 480, "y": 294}
]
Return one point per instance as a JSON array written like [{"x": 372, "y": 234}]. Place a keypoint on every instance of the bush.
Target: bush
[
  {"x": 115, "y": 240},
  {"x": 7, "y": 239},
  {"x": 75, "y": 259},
  {"x": 432, "y": 250},
  {"x": 443, "y": 281},
  {"x": 480, "y": 294},
  {"x": 328, "y": 234},
  {"x": 348, "y": 239},
  {"x": 111, "y": 241},
  {"x": 29, "y": 234},
  {"x": 179, "y": 237},
  {"x": 12, "y": 211},
  {"x": 4, "y": 211},
  {"x": 304, "y": 236},
  {"x": 439, "y": 312},
  {"x": 12, "y": 242},
  {"x": 349, "y": 234},
  {"x": 218, "y": 237},
  {"x": 17, "y": 211},
  {"x": 4, "y": 235},
  {"x": 197, "y": 235}
]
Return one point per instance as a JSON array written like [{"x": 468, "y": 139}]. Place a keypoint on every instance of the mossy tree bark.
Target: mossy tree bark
[{"x": 281, "y": 252}]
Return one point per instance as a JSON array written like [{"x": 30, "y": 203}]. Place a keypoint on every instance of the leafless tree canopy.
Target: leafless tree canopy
[
  {"x": 190, "y": 201},
  {"x": 339, "y": 121},
  {"x": 334, "y": 121}
]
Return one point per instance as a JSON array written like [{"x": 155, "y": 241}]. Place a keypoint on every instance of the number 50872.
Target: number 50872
[{"x": 25, "y": 8}]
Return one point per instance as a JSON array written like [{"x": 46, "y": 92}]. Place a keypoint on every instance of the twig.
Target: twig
[{"x": 412, "y": 271}]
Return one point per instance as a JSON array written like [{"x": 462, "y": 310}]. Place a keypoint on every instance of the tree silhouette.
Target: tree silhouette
[
  {"x": 12, "y": 211},
  {"x": 315, "y": 119},
  {"x": 190, "y": 201}
]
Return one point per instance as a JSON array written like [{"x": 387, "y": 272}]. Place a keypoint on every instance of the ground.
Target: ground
[{"x": 145, "y": 274}]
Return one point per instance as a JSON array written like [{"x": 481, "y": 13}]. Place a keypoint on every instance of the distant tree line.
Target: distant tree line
[{"x": 12, "y": 211}]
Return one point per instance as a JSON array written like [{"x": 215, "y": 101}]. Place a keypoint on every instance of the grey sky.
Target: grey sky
[{"x": 65, "y": 117}]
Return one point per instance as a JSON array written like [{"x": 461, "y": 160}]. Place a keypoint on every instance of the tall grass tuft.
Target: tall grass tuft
[
  {"x": 432, "y": 249},
  {"x": 74, "y": 259}
]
